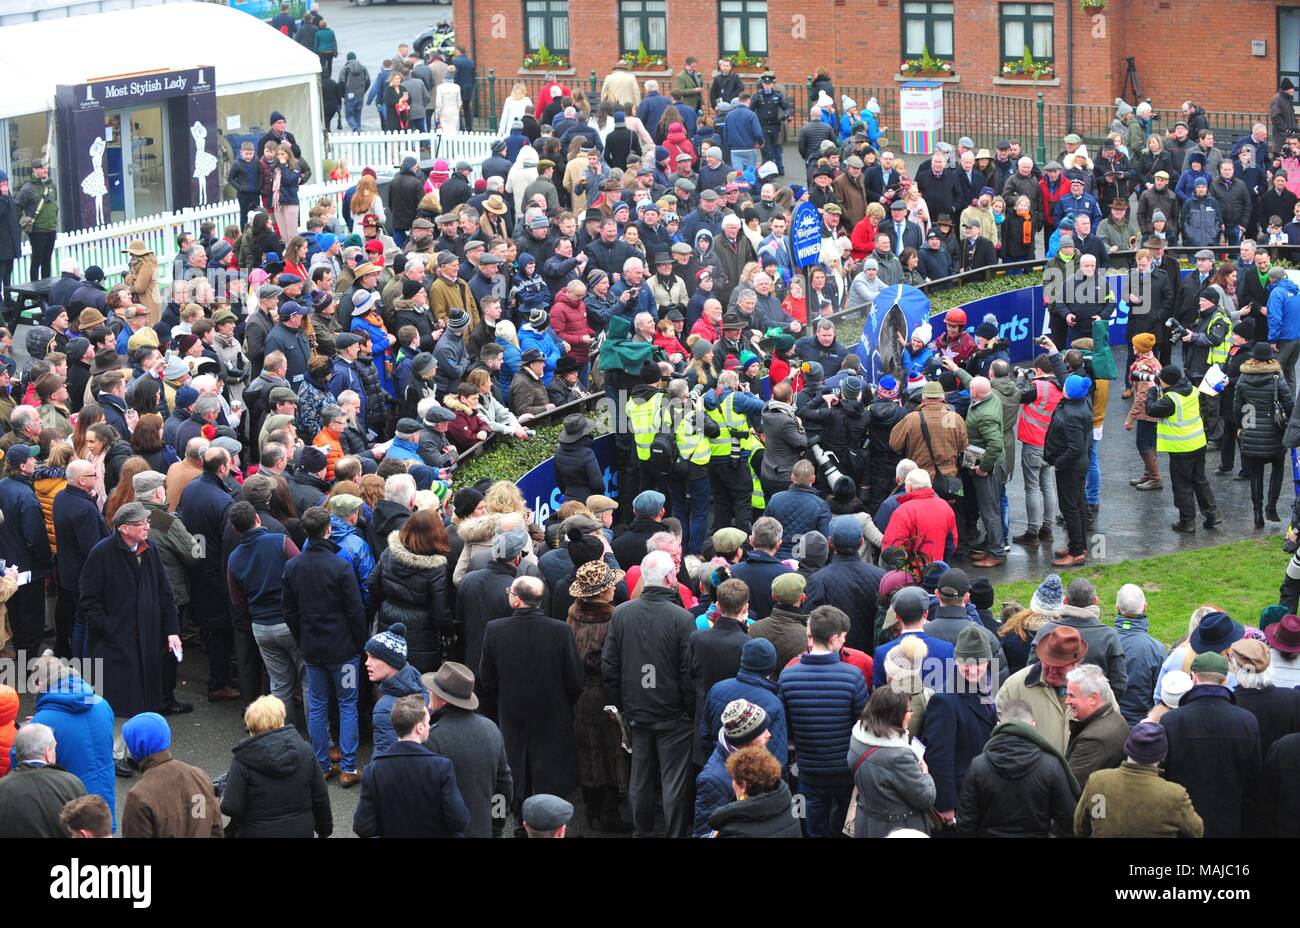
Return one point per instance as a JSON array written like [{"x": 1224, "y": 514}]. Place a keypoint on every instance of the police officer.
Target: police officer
[
  {"x": 1180, "y": 432},
  {"x": 1206, "y": 343},
  {"x": 694, "y": 433},
  {"x": 731, "y": 481},
  {"x": 773, "y": 112}
]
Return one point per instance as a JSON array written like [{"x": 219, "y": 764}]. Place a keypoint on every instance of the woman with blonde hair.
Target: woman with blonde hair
[
  {"x": 366, "y": 199},
  {"x": 504, "y": 496},
  {"x": 581, "y": 103},
  {"x": 511, "y": 360},
  {"x": 284, "y": 191},
  {"x": 275, "y": 788},
  {"x": 515, "y": 107},
  {"x": 917, "y": 209}
]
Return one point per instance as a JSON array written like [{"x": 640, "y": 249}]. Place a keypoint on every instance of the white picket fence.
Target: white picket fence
[
  {"x": 384, "y": 151},
  {"x": 106, "y": 245}
]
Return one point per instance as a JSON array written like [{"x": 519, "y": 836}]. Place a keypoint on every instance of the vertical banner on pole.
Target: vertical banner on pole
[{"x": 921, "y": 115}]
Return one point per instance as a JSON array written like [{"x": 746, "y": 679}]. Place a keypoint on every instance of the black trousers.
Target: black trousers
[
  {"x": 467, "y": 111},
  {"x": 248, "y": 664},
  {"x": 1254, "y": 468},
  {"x": 1229, "y": 425},
  {"x": 65, "y": 616},
  {"x": 1187, "y": 477},
  {"x": 27, "y": 616},
  {"x": 6, "y": 274},
  {"x": 42, "y": 254},
  {"x": 731, "y": 488},
  {"x": 1210, "y": 415},
  {"x": 221, "y": 645},
  {"x": 1070, "y": 484}
]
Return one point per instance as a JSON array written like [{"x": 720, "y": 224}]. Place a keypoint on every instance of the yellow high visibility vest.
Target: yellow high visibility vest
[
  {"x": 1183, "y": 431},
  {"x": 644, "y": 416},
  {"x": 691, "y": 443},
  {"x": 734, "y": 433},
  {"x": 1219, "y": 353}
]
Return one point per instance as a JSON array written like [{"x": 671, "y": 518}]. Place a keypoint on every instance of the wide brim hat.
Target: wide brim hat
[
  {"x": 495, "y": 205},
  {"x": 1217, "y": 632},
  {"x": 1284, "y": 635},
  {"x": 576, "y": 426},
  {"x": 106, "y": 359},
  {"x": 453, "y": 684},
  {"x": 368, "y": 268},
  {"x": 594, "y": 578},
  {"x": 137, "y": 248},
  {"x": 1061, "y": 647}
]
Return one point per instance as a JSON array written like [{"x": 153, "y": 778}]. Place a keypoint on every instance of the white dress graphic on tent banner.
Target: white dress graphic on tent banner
[
  {"x": 93, "y": 184},
  {"x": 204, "y": 161}
]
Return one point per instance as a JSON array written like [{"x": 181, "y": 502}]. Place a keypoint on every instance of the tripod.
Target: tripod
[{"x": 1131, "y": 81}]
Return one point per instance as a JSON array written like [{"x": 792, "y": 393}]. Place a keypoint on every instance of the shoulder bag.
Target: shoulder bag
[{"x": 946, "y": 487}]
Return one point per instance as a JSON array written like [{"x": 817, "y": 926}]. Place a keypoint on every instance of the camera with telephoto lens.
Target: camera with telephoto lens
[
  {"x": 1145, "y": 376},
  {"x": 828, "y": 463},
  {"x": 1023, "y": 373},
  {"x": 1176, "y": 329}
]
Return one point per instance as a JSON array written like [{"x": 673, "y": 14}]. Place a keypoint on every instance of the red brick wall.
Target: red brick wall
[{"x": 859, "y": 41}]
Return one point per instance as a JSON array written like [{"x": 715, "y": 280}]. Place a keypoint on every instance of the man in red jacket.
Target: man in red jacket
[{"x": 923, "y": 515}]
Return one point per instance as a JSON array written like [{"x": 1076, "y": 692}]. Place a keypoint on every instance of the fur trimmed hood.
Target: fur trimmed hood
[
  {"x": 407, "y": 558},
  {"x": 1261, "y": 367},
  {"x": 455, "y": 405},
  {"x": 873, "y": 741},
  {"x": 479, "y": 530}
]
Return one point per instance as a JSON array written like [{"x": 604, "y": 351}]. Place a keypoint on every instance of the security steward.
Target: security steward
[
  {"x": 1180, "y": 432},
  {"x": 645, "y": 420}
]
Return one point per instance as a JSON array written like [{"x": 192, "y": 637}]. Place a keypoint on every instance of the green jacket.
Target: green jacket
[
  {"x": 1134, "y": 801},
  {"x": 30, "y": 198},
  {"x": 692, "y": 87},
  {"x": 984, "y": 426},
  {"x": 1006, "y": 390}
]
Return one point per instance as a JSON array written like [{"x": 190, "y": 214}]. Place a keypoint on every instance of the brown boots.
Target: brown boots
[{"x": 1150, "y": 479}]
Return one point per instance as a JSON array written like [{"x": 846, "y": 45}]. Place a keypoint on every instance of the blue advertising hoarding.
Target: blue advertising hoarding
[{"x": 806, "y": 235}]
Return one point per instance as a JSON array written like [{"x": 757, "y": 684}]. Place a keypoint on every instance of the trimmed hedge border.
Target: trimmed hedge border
[{"x": 510, "y": 459}]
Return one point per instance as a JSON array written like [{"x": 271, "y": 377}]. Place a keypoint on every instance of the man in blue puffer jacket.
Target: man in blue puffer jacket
[
  {"x": 352, "y": 547},
  {"x": 1284, "y": 321},
  {"x": 799, "y": 509},
  {"x": 82, "y": 723},
  {"x": 824, "y": 697},
  {"x": 744, "y": 724},
  {"x": 752, "y": 682},
  {"x": 393, "y": 677}
]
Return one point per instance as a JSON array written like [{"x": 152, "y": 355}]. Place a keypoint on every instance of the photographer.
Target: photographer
[
  {"x": 731, "y": 480},
  {"x": 1040, "y": 393},
  {"x": 984, "y": 426},
  {"x": 840, "y": 420},
  {"x": 1205, "y": 344}
]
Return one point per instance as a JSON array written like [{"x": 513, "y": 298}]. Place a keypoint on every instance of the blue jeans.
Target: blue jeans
[
  {"x": 742, "y": 157},
  {"x": 691, "y": 506},
  {"x": 341, "y": 680},
  {"x": 400, "y": 237},
  {"x": 1006, "y": 514},
  {"x": 826, "y": 806},
  {"x": 1232, "y": 234},
  {"x": 1093, "y": 488},
  {"x": 352, "y": 113}
]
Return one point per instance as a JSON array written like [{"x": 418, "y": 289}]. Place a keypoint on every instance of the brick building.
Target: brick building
[{"x": 863, "y": 42}]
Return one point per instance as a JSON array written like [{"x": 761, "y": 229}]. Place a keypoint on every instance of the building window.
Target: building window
[
  {"x": 743, "y": 23},
  {"x": 546, "y": 23},
  {"x": 1026, "y": 25},
  {"x": 927, "y": 26},
  {"x": 643, "y": 22},
  {"x": 1288, "y": 43}
]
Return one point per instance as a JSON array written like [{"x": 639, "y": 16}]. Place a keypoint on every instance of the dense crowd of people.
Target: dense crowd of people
[{"x": 259, "y": 461}]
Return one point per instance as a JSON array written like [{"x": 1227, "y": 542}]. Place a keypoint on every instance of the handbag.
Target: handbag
[
  {"x": 948, "y": 488},
  {"x": 1280, "y": 418},
  {"x": 851, "y": 818}
]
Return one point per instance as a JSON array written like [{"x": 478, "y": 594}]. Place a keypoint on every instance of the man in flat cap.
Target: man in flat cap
[
  {"x": 130, "y": 626},
  {"x": 546, "y": 816}
]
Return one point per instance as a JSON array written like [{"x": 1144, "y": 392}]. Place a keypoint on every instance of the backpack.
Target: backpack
[{"x": 663, "y": 455}]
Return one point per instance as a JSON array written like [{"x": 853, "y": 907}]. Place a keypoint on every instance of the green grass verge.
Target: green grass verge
[{"x": 1241, "y": 577}]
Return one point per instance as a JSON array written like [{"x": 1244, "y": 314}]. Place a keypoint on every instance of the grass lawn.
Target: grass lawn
[{"x": 1241, "y": 577}]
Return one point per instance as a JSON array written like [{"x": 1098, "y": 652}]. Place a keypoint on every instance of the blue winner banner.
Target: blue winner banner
[{"x": 806, "y": 235}]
